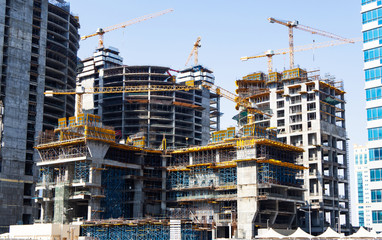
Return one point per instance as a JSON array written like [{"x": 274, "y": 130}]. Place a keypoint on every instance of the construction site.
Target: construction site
[{"x": 144, "y": 156}]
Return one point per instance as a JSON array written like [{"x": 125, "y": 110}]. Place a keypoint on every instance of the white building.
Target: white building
[
  {"x": 362, "y": 179},
  {"x": 371, "y": 11}
]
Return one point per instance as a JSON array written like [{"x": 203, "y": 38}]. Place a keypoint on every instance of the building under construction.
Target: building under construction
[
  {"x": 241, "y": 180},
  {"x": 182, "y": 117},
  {"x": 308, "y": 111}
]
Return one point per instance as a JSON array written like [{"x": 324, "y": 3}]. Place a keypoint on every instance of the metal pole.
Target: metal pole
[{"x": 267, "y": 223}]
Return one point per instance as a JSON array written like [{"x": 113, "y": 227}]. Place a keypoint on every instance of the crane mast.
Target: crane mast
[
  {"x": 194, "y": 52},
  {"x": 295, "y": 24}
]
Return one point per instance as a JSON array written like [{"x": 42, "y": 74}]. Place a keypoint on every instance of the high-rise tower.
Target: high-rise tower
[
  {"x": 183, "y": 117},
  {"x": 38, "y": 49},
  {"x": 371, "y": 11},
  {"x": 308, "y": 112}
]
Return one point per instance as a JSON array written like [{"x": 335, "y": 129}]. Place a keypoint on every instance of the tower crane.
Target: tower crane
[
  {"x": 271, "y": 53},
  {"x": 194, "y": 52},
  {"x": 80, "y": 91},
  {"x": 295, "y": 24},
  {"x": 101, "y": 31}
]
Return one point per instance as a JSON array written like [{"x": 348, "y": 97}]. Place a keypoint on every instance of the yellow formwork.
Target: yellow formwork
[{"x": 243, "y": 143}]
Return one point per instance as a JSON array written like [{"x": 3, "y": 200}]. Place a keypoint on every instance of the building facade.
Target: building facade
[
  {"x": 309, "y": 112},
  {"x": 371, "y": 11},
  {"x": 362, "y": 177},
  {"x": 39, "y": 43},
  {"x": 229, "y": 187},
  {"x": 182, "y": 117}
]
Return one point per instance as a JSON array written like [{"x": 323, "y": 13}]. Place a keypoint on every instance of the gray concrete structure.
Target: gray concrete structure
[
  {"x": 183, "y": 117},
  {"x": 309, "y": 112},
  {"x": 38, "y": 47}
]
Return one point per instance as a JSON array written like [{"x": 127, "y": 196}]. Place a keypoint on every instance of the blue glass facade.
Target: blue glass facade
[
  {"x": 374, "y": 133},
  {"x": 372, "y": 39},
  {"x": 377, "y": 216},
  {"x": 367, "y": 1},
  {"x": 376, "y": 175},
  {"x": 373, "y": 93},
  {"x": 373, "y": 74},
  {"x": 372, "y": 15},
  {"x": 371, "y": 35},
  {"x": 374, "y": 113},
  {"x": 372, "y": 54},
  {"x": 375, "y": 154},
  {"x": 361, "y": 218},
  {"x": 376, "y": 195}
]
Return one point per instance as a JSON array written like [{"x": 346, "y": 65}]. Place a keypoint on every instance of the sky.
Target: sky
[{"x": 230, "y": 30}]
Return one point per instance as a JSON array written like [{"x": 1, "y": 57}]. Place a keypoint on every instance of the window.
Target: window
[
  {"x": 374, "y": 113},
  {"x": 373, "y": 93},
  {"x": 311, "y": 116},
  {"x": 360, "y": 187},
  {"x": 367, "y": 1},
  {"x": 311, "y": 106},
  {"x": 294, "y": 90},
  {"x": 295, "y": 118},
  {"x": 374, "y": 133},
  {"x": 295, "y": 109},
  {"x": 376, "y": 175},
  {"x": 356, "y": 159},
  {"x": 361, "y": 218},
  {"x": 377, "y": 216},
  {"x": 280, "y": 104},
  {"x": 280, "y": 113},
  {"x": 310, "y": 87},
  {"x": 375, "y": 154},
  {"x": 373, "y": 74},
  {"x": 376, "y": 195},
  {"x": 27, "y": 189},
  {"x": 372, "y": 15},
  {"x": 296, "y": 128},
  {"x": 295, "y": 99},
  {"x": 311, "y": 96},
  {"x": 371, "y": 35},
  {"x": 370, "y": 55}
]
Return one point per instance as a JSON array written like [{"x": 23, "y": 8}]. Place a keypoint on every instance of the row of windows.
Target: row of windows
[
  {"x": 373, "y": 93},
  {"x": 375, "y": 154},
  {"x": 374, "y": 133},
  {"x": 372, "y": 15},
  {"x": 376, "y": 195},
  {"x": 372, "y": 54},
  {"x": 360, "y": 158},
  {"x": 367, "y": 1},
  {"x": 361, "y": 218},
  {"x": 360, "y": 187},
  {"x": 374, "y": 113},
  {"x": 377, "y": 216},
  {"x": 371, "y": 35},
  {"x": 373, "y": 74},
  {"x": 376, "y": 175}
]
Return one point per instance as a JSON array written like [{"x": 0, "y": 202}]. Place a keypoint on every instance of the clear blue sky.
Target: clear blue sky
[{"x": 229, "y": 30}]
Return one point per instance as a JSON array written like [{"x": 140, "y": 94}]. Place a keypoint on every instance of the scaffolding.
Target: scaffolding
[
  {"x": 270, "y": 173},
  {"x": 143, "y": 230},
  {"x": 227, "y": 176},
  {"x": 81, "y": 171},
  {"x": 118, "y": 192}
]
